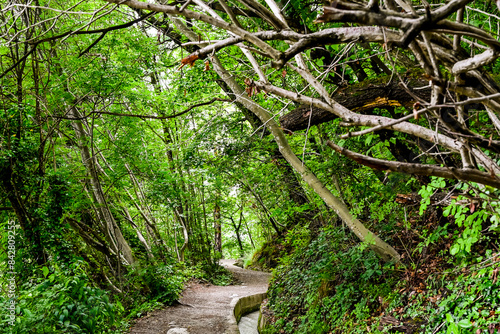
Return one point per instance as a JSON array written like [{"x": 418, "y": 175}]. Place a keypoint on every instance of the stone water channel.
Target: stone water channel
[
  {"x": 248, "y": 323},
  {"x": 246, "y": 313}
]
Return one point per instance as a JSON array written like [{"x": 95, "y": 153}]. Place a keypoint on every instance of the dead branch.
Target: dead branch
[{"x": 463, "y": 174}]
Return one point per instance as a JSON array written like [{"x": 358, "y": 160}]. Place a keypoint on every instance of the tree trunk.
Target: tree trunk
[
  {"x": 362, "y": 97},
  {"x": 238, "y": 236},
  {"x": 218, "y": 231},
  {"x": 248, "y": 231},
  {"x": 112, "y": 232},
  {"x": 147, "y": 215},
  {"x": 266, "y": 211},
  {"x": 30, "y": 226},
  {"x": 138, "y": 232},
  {"x": 185, "y": 232},
  {"x": 385, "y": 251}
]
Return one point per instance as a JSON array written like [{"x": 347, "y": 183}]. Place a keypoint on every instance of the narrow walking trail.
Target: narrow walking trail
[{"x": 203, "y": 308}]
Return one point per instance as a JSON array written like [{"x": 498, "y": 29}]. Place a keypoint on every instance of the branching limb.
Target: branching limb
[
  {"x": 230, "y": 13},
  {"x": 464, "y": 174},
  {"x": 304, "y": 42},
  {"x": 364, "y": 120},
  {"x": 103, "y": 32},
  {"x": 144, "y": 116},
  {"x": 264, "y": 13},
  {"x": 173, "y": 10},
  {"x": 466, "y": 65}
]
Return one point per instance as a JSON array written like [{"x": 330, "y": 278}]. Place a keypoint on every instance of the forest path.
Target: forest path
[{"x": 203, "y": 308}]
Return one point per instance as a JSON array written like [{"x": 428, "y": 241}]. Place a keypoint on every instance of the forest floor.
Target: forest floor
[{"x": 203, "y": 308}]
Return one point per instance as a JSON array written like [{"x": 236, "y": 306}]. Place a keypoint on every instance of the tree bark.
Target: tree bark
[
  {"x": 218, "y": 230},
  {"x": 147, "y": 215},
  {"x": 237, "y": 232},
  {"x": 138, "y": 232},
  {"x": 464, "y": 174},
  {"x": 362, "y": 97}
]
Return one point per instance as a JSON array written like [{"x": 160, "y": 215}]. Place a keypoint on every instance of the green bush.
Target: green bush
[
  {"x": 210, "y": 272},
  {"x": 462, "y": 300},
  {"x": 164, "y": 281},
  {"x": 326, "y": 284},
  {"x": 62, "y": 302}
]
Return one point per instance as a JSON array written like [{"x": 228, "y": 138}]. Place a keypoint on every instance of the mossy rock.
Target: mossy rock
[{"x": 267, "y": 257}]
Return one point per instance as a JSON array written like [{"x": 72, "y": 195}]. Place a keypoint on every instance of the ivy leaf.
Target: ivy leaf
[{"x": 465, "y": 323}]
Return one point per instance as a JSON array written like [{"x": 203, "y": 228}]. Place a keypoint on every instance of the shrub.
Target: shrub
[{"x": 63, "y": 302}]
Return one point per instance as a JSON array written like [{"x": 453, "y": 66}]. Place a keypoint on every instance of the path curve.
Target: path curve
[{"x": 203, "y": 308}]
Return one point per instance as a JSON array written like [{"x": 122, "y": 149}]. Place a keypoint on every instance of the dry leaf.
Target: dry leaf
[{"x": 189, "y": 60}]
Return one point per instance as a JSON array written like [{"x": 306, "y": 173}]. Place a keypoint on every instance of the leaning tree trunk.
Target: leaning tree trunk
[
  {"x": 138, "y": 232},
  {"x": 238, "y": 235},
  {"x": 112, "y": 231},
  {"x": 143, "y": 208},
  {"x": 147, "y": 215},
  {"x": 185, "y": 233},
  {"x": 384, "y": 250}
]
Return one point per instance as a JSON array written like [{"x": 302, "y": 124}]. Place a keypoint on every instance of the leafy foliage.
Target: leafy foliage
[
  {"x": 62, "y": 301},
  {"x": 326, "y": 285}
]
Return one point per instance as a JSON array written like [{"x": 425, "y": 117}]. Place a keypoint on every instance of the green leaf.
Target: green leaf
[
  {"x": 45, "y": 271},
  {"x": 370, "y": 239},
  {"x": 446, "y": 211},
  {"x": 368, "y": 140},
  {"x": 465, "y": 323}
]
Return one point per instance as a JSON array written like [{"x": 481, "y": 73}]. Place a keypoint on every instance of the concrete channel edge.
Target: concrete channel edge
[{"x": 242, "y": 306}]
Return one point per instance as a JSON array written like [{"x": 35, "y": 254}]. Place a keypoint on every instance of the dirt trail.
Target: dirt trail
[{"x": 204, "y": 308}]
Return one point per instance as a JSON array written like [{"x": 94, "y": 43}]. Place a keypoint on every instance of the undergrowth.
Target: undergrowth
[
  {"x": 63, "y": 300},
  {"x": 446, "y": 282},
  {"x": 326, "y": 283},
  {"x": 330, "y": 284}
]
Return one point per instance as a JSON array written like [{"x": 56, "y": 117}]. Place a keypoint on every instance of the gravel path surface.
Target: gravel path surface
[{"x": 204, "y": 308}]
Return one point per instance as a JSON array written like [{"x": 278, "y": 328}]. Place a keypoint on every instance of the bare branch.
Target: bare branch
[
  {"x": 464, "y": 174},
  {"x": 103, "y": 32},
  {"x": 144, "y": 116},
  {"x": 273, "y": 53},
  {"x": 485, "y": 58},
  {"x": 365, "y": 120}
]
